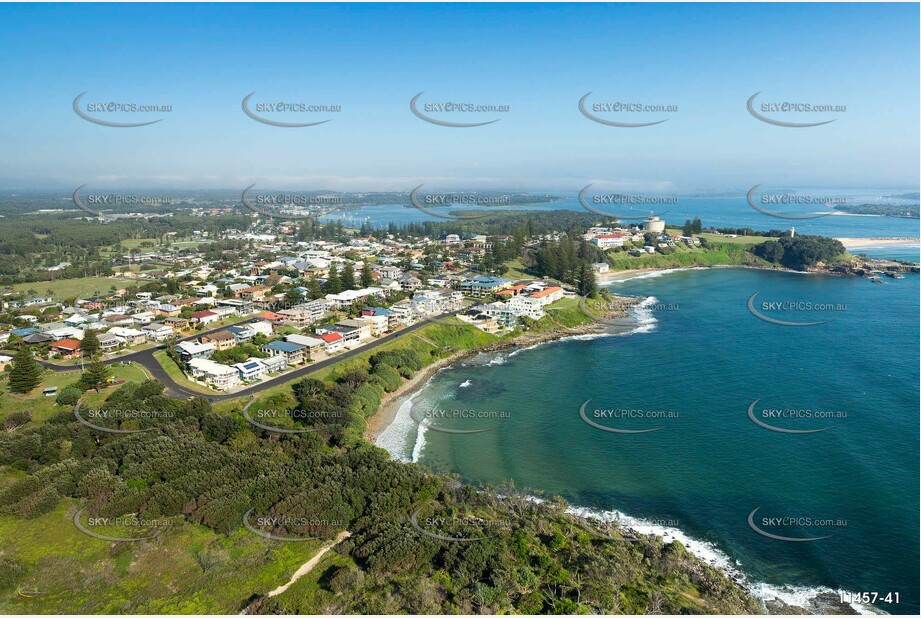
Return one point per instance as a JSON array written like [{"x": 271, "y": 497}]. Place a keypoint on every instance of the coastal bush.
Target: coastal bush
[
  {"x": 800, "y": 252},
  {"x": 210, "y": 469},
  {"x": 388, "y": 377}
]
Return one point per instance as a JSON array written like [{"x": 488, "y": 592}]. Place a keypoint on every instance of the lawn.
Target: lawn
[
  {"x": 738, "y": 240},
  {"x": 176, "y": 374},
  {"x": 516, "y": 271},
  {"x": 69, "y": 288},
  {"x": 135, "y": 243},
  {"x": 43, "y": 408}
]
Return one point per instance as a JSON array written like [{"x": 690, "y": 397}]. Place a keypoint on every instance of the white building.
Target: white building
[
  {"x": 274, "y": 364},
  {"x": 189, "y": 350},
  {"x": 345, "y": 299},
  {"x": 654, "y": 224},
  {"x": 261, "y": 327},
  {"x": 526, "y": 306},
  {"x": 606, "y": 241},
  {"x": 220, "y": 376},
  {"x": 501, "y": 313},
  {"x": 250, "y": 369}
]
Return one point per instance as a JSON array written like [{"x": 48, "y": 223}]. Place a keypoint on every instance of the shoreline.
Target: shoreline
[
  {"x": 783, "y": 599},
  {"x": 377, "y": 423},
  {"x": 854, "y": 243}
]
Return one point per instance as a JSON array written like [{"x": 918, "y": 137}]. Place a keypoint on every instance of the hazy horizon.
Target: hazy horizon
[{"x": 203, "y": 60}]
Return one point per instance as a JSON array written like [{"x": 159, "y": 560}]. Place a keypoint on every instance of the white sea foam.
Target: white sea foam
[
  {"x": 798, "y": 596},
  {"x": 395, "y": 438},
  {"x": 657, "y": 273},
  {"x": 465, "y": 384},
  {"x": 645, "y": 320}
]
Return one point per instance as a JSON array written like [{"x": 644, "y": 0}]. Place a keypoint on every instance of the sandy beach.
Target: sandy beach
[
  {"x": 853, "y": 243},
  {"x": 391, "y": 402}
]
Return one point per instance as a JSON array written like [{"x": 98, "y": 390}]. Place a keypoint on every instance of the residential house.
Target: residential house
[
  {"x": 316, "y": 348},
  {"x": 143, "y": 317},
  {"x": 189, "y": 350},
  {"x": 250, "y": 369},
  {"x": 363, "y": 326},
  {"x": 131, "y": 336},
  {"x": 220, "y": 376},
  {"x": 38, "y": 338},
  {"x": 274, "y": 364},
  {"x": 240, "y": 307},
  {"x": 241, "y": 333},
  {"x": 260, "y": 327},
  {"x": 205, "y": 317},
  {"x": 548, "y": 295},
  {"x": 177, "y": 324},
  {"x": 501, "y": 312},
  {"x": 168, "y": 310},
  {"x": 221, "y": 340},
  {"x": 350, "y": 334},
  {"x": 109, "y": 342},
  {"x": 345, "y": 299},
  {"x": 294, "y": 353},
  {"x": 482, "y": 286},
  {"x": 67, "y": 348},
  {"x": 333, "y": 342},
  {"x": 158, "y": 331},
  {"x": 118, "y": 319}
]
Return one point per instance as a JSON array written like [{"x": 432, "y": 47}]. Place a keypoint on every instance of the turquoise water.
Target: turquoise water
[{"x": 703, "y": 360}]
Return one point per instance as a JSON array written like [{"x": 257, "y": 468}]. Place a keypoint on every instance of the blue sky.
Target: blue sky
[{"x": 537, "y": 59}]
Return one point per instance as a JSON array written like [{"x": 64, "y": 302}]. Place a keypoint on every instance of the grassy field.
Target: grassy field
[
  {"x": 42, "y": 408},
  {"x": 135, "y": 243},
  {"x": 68, "y": 288},
  {"x": 747, "y": 241},
  {"x": 516, "y": 271},
  {"x": 721, "y": 254},
  {"x": 189, "y": 569}
]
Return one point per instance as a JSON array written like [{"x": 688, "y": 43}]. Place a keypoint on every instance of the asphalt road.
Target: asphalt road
[{"x": 146, "y": 359}]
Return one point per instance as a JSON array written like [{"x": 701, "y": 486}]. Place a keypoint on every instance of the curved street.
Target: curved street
[{"x": 146, "y": 359}]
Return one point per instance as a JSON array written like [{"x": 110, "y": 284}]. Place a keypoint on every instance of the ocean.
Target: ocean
[{"x": 707, "y": 389}]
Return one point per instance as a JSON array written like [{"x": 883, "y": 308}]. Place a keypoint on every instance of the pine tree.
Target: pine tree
[
  {"x": 333, "y": 284},
  {"x": 90, "y": 344},
  {"x": 313, "y": 289},
  {"x": 95, "y": 375},
  {"x": 348, "y": 277},
  {"x": 26, "y": 373},
  {"x": 688, "y": 228},
  {"x": 697, "y": 226},
  {"x": 366, "y": 279}
]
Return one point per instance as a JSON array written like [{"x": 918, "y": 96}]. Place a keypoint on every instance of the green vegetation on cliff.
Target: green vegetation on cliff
[{"x": 204, "y": 472}]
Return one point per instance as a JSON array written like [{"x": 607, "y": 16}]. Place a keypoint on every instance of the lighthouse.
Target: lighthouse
[{"x": 792, "y": 231}]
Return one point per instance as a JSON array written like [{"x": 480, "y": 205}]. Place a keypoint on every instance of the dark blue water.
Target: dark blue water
[{"x": 707, "y": 358}]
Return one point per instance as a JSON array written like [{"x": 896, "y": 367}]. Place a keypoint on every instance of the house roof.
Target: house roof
[
  {"x": 331, "y": 337},
  {"x": 221, "y": 335},
  {"x": 283, "y": 346},
  {"x": 67, "y": 344},
  {"x": 203, "y": 314},
  {"x": 547, "y": 291}
]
